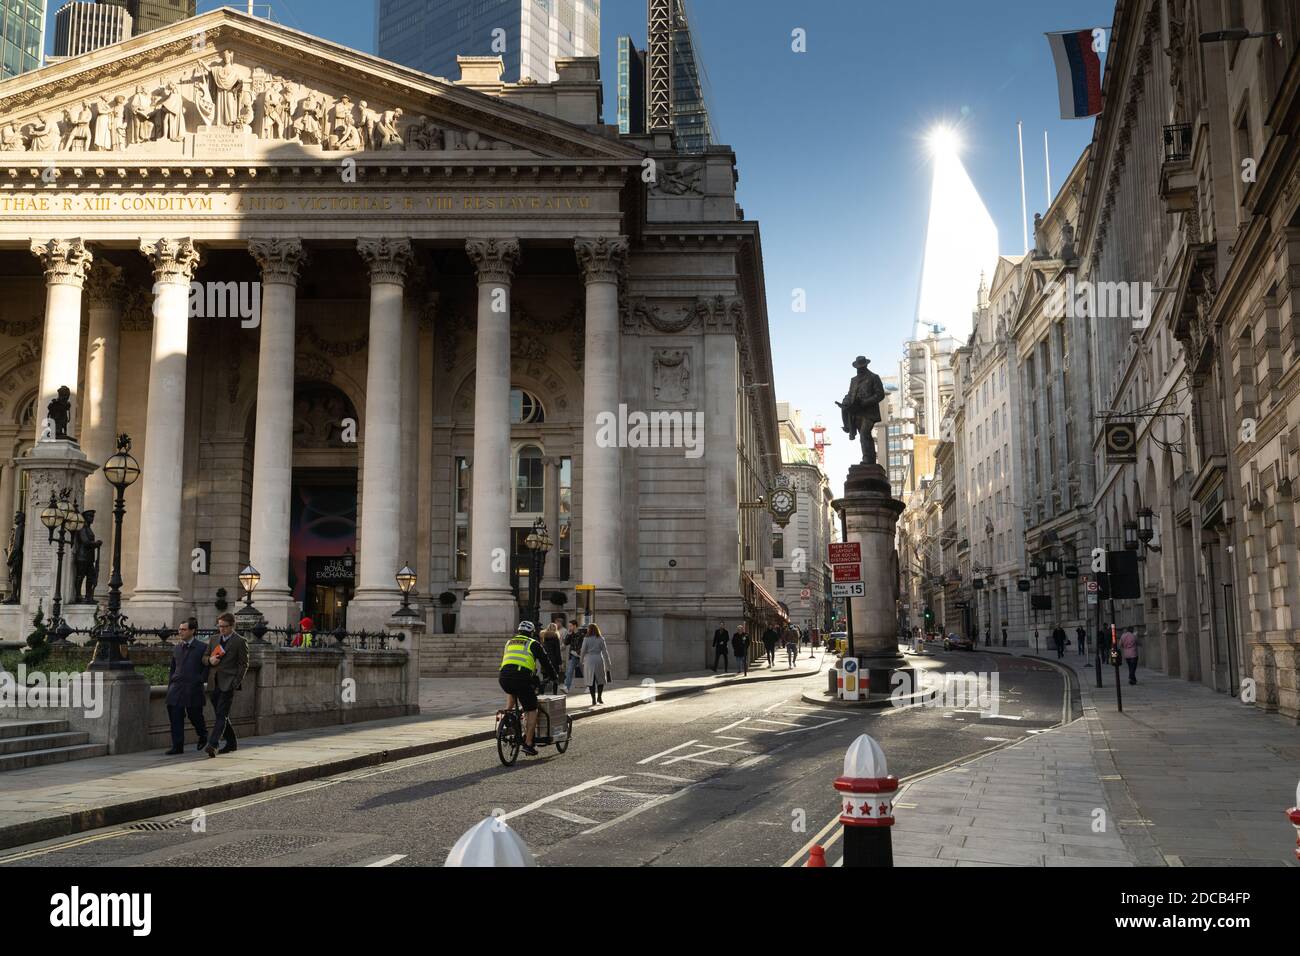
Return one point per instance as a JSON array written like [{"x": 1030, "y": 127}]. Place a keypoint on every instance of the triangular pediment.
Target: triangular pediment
[{"x": 227, "y": 86}]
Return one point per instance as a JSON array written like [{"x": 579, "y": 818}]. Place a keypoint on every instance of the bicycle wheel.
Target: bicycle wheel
[
  {"x": 563, "y": 745},
  {"x": 508, "y": 739}
]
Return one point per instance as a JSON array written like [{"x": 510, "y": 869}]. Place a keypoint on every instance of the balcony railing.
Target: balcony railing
[{"x": 1178, "y": 142}]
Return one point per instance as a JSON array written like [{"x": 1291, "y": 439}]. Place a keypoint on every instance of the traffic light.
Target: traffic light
[{"x": 929, "y": 616}]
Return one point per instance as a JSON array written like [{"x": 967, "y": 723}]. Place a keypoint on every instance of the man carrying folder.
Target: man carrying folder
[{"x": 227, "y": 655}]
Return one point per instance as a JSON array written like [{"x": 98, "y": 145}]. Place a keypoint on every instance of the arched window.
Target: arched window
[{"x": 526, "y": 408}]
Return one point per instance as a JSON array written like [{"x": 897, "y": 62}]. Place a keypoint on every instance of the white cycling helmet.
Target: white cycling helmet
[{"x": 525, "y": 627}]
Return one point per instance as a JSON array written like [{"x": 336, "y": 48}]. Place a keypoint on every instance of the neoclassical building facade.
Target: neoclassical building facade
[{"x": 355, "y": 317}]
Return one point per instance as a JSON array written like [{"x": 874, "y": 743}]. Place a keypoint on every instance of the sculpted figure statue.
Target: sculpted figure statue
[
  {"x": 43, "y": 133},
  {"x": 860, "y": 409},
  {"x": 11, "y": 139},
  {"x": 139, "y": 128},
  {"x": 14, "y": 558},
  {"x": 85, "y": 561},
  {"x": 368, "y": 120},
  {"x": 59, "y": 410},
  {"x": 104, "y": 123},
  {"x": 119, "y": 123},
  {"x": 79, "y": 137},
  {"x": 226, "y": 82},
  {"x": 308, "y": 125},
  {"x": 390, "y": 137},
  {"x": 202, "y": 98},
  {"x": 170, "y": 124},
  {"x": 272, "y": 101}
]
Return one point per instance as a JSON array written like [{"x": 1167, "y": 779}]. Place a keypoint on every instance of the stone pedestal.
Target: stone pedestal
[
  {"x": 413, "y": 629},
  {"x": 53, "y": 465},
  {"x": 871, "y": 514},
  {"x": 112, "y": 706}
]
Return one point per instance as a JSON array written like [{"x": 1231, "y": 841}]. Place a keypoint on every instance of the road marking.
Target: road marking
[
  {"x": 750, "y": 761},
  {"x": 998, "y": 738},
  {"x": 665, "y": 753},
  {"x": 729, "y": 737},
  {"x": 635, "y": 793},
  {"x": 657, "y": 801},
  {"x": 707, "y": 750},
  {"x": 388, "y": 860},
  {"x": 664, "y": 776},
  {"x": 571, "y": 817},
  {"x": 787, "y": 723},
  {"x": 800, "y": 730},
  {"x": 713, "y": 763},
  {"x": 735, "y": 723},
  {"x": 599, "y": 781}
]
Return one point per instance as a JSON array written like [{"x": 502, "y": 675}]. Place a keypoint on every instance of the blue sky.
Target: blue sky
[{"x": 830, "y": 151}]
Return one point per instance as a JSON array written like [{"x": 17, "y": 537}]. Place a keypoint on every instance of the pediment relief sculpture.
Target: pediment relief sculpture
[{"x": 226, "y": 96}]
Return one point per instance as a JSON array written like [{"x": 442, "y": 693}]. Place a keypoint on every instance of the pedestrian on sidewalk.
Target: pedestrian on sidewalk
[
  {"x": 1128, "y": 645},
  {"x": 1082, "y": 635},
  {"x": 551, "y": 644},
  {"x": 791, "y": 646},
  {"x": 572, "y": 642},
  {"x": 740, "y": 646},
  {"x": 227, "y": 655},
  {"x": 1058, "y": 637},
  {"x": 596, "y": 663},
  {"x": 185, "y": 684},
  {"x": 720, "y": 641},
  {"x": 770, "y": 638}
]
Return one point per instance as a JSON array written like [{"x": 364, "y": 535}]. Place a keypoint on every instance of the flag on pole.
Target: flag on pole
[{"x": 1078, "y": 73}]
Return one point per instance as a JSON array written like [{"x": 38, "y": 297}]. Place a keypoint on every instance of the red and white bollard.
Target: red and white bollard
[
  {"x": 866, "y": 790},
  {"x": 1294, "y": 814}
]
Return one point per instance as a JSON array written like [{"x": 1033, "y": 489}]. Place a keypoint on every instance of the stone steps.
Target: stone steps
[
  {"x": 452, "y": 655},
  {"x": 38, "y": 743}
]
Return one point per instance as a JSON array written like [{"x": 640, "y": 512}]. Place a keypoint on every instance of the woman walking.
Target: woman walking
[
  {"x": 551, "y": 644},
  {"x": 596, "y": 663},
  {"x": 1128, "y": 644}
]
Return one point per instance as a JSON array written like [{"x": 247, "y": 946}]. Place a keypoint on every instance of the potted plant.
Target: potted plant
[{"x": 447, "y": 600}]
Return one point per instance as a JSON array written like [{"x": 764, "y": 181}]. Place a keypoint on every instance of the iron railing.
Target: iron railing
[
  {"x": 260, "y": 634},
  {"x": 1178, "y": 142}
]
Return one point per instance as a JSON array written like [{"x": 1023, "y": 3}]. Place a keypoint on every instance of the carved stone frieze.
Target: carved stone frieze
[{"x": 672, "y": 375}]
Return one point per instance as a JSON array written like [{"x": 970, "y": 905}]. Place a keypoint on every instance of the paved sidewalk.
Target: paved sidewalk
[
  {"x": 1183, "y": 777},
  {"x": 42, "y": 803}
]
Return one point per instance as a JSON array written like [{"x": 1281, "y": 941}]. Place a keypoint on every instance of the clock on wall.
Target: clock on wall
[{"x": 781, "y": 501}]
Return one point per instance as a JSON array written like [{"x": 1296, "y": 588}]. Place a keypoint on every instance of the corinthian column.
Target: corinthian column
[
  {"x": 66, "y": 262},
  {"x": 603, "y": 261},
  {"x": 104, "y": 292},
  {"x": 157, "y": 592},
  {"x": 268, "y": 538},
  {"x": 490, "y": 606},
  {"x": 377, "y": 596}
]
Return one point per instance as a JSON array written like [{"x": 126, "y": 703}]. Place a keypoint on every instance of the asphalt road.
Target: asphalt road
[{"x": 735, "y": 776}]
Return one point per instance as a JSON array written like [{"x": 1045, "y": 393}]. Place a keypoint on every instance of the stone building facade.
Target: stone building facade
[{"x": 476, "y": 306}]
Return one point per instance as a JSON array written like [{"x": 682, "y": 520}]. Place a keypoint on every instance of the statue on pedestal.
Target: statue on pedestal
[
  {"x": 14, "y": 558},
  {"x": 58, "y": 411},
  {"x": 860, "y": 409},
  {"x": 85, "y": 562}
]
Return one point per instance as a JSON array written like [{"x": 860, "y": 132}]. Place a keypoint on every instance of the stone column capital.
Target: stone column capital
[
  {"x": 389, "y": 259},
  {"x": 104, "y": 284},
  {"x": 173, "y": 260},
  {"x": 279, "y": 259},
  {"x": 602, "y": 259},
  {"x": 495, "y": 259},
  {"x": 66, "y": 261}
]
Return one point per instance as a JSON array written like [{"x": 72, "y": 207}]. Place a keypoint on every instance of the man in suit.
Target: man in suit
[
  {"x": 185, "y": 688},
  {"x": 227, "y": 655}
]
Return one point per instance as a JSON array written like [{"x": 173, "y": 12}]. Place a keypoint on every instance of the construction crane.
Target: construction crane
[{"x": 819, "y": 441}]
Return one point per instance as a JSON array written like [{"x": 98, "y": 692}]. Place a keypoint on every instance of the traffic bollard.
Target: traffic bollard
[
  {"x": 867, "y": 791},
  {"x": 490, "y": 843},
  {"x": 816, "y": 856},
  {"x": 1294, "y": 814}
]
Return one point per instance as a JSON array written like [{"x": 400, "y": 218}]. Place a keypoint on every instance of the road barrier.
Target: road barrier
[{"x": 867, "y": 791}]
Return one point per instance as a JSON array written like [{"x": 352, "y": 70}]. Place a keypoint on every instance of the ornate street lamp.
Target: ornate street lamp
[
  {"x": 248, "y": 617},
  {"x": 249, "y": 579},
  {"x": 538, "y": 543},
  {"x": 1053, "y": 565},
  {"x": 63, "y": 514},
  {"x": 1035, "y": 570},
  {"x": 406, "y": 581},
  {"x": 1131, "y": 541},
  {"x": 122, "y": 471}
]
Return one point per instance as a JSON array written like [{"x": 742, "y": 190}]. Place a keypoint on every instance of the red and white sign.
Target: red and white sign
[
  {"x": 844, "y": 553},
  {"x": 1094, "y": 587},
  {"x": 843, "y": 573},
  {"x": 806, "y": 593}
]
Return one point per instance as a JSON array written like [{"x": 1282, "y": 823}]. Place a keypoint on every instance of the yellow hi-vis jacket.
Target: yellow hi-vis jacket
[{"x": 519, "y": 652}]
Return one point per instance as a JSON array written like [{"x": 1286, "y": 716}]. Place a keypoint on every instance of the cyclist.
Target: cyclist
[{"x": 519, "y": 673}]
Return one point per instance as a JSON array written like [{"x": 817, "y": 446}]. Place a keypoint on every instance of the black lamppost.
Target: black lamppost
[
  {"x": 406, "y": 581},
  {"x": 538, "y": 543},
  {"x": 65, "y": 515},
  {"x": 1035, "y": 572},
  {"x": 1131, "y": 540},
  {"x": 122, "y": 471},
  {"x": 248, "y": 616}
]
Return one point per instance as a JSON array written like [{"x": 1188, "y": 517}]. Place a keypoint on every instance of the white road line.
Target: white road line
[
  {"x": 788, "y": 723},
  {"x": 800, "y": 730},
  {"x": 715, "y": 763},
  {"x": 708, "y": 750},
  {"x": 657, "y": 801},
  {"x": 571, "y": 817},
  {"x": 750, "y": 761},
  {"x": 558, "y": 796},
  {"x": 635, "y": 793},
  {"x": 664, "y": 776},
  {"x": 388, "y": 859},
  {"x": 735, "y": 723},
  {"x": 729, "y": 737},
  {"x": 665, "y": 753},
  {"x": 761, "y": 730}
]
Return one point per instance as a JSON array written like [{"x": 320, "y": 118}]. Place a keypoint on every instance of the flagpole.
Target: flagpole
[
  {"x": 1047, "y": 157},
  {"x": 1024, "y": 207}
]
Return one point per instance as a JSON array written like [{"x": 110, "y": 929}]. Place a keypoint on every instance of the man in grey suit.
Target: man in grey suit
[
  {"x": 185, "y": 687},
  {"x": 227, "y": 655}
]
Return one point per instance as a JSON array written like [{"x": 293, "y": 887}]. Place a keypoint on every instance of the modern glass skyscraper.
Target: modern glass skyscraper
[
  {"x": 149, "y": 15},
  {"x": 631, "y": 87},
  {"x": 22, "y": 29},
  {"x": 528, "y": 35},
  {"x": 671, "y": 76},
  {"x": 691, "y": 120},
  {"x": 80, "y": 27}
]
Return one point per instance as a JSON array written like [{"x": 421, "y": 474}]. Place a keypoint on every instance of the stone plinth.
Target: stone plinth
[
  {"x": 871, "y": 514},
  {"x": 53, "y": 465}
]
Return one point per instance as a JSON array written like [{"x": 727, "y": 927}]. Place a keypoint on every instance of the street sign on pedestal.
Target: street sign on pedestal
[
  {"x": 851, "y": 589},
  {"x": 849, "y": 670}
]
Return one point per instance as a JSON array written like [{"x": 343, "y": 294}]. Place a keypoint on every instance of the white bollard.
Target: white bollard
[{"x": 490, "y": 843}]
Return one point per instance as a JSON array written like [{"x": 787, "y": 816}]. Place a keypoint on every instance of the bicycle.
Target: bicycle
[{"x": 510, "y": 732}]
